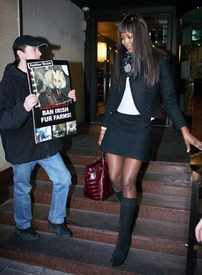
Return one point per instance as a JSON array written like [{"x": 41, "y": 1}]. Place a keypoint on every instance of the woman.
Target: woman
[{"x": 141, "y": 71}]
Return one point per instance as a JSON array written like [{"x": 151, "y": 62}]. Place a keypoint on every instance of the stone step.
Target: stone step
[
  {"x": 148, "y": 234},
  {"x": 77, "y": 256},
  {"x": 149, "y": 182},
  {"x": 155, "y": 166},
  {"x": 150, "y": 206},
  {"x": 159, "y": 238}
]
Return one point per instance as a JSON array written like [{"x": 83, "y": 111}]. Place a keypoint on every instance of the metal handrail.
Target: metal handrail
[
  {"x": 196, "y": 155},
  {"x": 196, "y": 166}
]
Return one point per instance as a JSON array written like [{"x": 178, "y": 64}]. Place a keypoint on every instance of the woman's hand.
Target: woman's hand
[
  {"x": 189, "y": 139},
  {"x": 101, "y": 136},
  {"x": 72, "y": 94}
]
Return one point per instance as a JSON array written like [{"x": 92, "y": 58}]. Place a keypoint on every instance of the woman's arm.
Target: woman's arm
[{"x": 102, "y": 133}]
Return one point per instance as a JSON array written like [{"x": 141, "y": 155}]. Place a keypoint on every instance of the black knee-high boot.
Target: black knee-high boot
[
  {"x": 119, "y": 194},
  {"x": 127, "y": 212}
]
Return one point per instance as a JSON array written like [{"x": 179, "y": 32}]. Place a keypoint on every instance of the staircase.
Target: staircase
[{"x": 159, "y": 238}]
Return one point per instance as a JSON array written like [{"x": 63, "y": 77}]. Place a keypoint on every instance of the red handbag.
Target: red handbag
[{"x": 97, "y": 182}]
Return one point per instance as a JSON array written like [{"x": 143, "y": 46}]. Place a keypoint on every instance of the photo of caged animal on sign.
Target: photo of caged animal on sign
[{"x": 51, "y": 85}]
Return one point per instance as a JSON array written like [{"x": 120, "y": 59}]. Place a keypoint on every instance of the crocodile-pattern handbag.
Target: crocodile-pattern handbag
[{"x": 97, "y": 182}]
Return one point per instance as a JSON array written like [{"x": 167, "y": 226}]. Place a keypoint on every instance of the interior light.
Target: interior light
[{"x": 101, "y": 51}]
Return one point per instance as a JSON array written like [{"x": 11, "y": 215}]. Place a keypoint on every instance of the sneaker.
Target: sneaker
[
  {"x": 60, "y": 229},
  {"x": 28, "y": 234}
]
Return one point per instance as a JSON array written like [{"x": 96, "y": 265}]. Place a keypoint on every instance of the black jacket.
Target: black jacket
[
  {"x": 146, "y": 99},
  {"x": 16, "y": 124}
]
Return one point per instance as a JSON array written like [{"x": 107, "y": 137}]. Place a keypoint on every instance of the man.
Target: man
[{"x": 16, "y": 125}]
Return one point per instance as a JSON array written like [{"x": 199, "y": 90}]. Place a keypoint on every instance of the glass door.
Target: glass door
[
  {"x": 190, "y": 55},
  {"x": 106, "y": 51}
]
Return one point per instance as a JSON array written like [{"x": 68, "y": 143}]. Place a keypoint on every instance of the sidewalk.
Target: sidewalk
[{"x": 9, "y": 267}]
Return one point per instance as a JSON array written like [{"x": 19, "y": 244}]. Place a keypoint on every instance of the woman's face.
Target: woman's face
[{"x": 127, "y": 41}]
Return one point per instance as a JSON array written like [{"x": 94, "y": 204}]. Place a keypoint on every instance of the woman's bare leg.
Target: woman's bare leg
[
  {"x": 115, "y": 165},
  {"x": 131, "y": 168},
  {"x": 123, "y": 174}
]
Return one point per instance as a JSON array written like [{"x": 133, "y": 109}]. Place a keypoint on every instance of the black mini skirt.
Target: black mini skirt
[{"x": 128, "y": 136}]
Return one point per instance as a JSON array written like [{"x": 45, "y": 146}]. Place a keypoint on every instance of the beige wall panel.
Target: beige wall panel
[
  {"x": 8, "y": 25},
  {"x": 6, "y": 54},
  {"x": 34, "y": 26},
  {"x": 77, "y": 73},
  {"x": 48, "y": 10},
  {"x": 61, "y": 43},
  {"x": 72, "y": 18},
  {"x": 28, "y": 5},
  {"x": 9, "y": 7}
]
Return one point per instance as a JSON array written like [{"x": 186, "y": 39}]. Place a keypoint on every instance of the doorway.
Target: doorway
[
  {"x": 106, "y": 52},
  {"x": 101, "y": 51}
]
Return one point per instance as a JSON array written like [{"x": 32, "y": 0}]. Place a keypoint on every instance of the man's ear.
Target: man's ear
[{"x": 20, "y": 54}]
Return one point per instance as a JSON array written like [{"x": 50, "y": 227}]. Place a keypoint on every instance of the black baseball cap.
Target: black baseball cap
[{"x": 29, "y": 41}]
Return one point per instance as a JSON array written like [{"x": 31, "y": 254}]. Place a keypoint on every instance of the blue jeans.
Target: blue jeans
[{"x": 61, "y": 177}]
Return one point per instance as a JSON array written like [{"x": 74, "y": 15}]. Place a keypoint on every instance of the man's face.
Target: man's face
[{"x": 31, "y": 52}]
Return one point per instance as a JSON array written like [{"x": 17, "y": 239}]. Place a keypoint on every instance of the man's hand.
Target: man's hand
[
  {"x": 30, "y": 101},
  {"x": 72, "y": 94}
]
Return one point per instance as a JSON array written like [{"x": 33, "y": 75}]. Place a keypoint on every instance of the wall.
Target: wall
[
  {"x": 8, "y": 31},
  {"x": 57, "y": 22}
]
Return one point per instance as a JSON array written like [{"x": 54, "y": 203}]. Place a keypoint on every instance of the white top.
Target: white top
[{"x": 127, "y": 105}]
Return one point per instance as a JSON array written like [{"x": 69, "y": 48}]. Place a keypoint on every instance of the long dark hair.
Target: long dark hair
[{"x": 143, "y": 55}]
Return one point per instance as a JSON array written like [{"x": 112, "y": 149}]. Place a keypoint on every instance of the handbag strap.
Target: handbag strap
[{"x": 103, "y": 156}]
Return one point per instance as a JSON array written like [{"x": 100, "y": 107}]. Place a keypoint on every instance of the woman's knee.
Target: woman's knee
[
  {"x": 129, "y": 184},
  {"x": 116, "y": 178}
]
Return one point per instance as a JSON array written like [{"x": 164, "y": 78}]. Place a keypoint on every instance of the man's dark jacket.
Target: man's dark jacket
[
  {"x": 146, "y": 99},
  {"x": 16, "y": 124}
]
